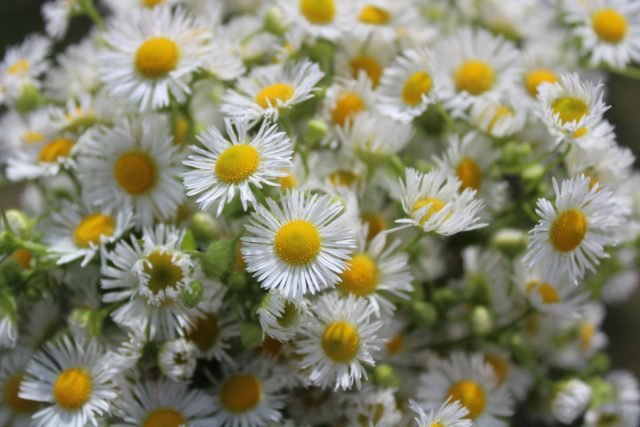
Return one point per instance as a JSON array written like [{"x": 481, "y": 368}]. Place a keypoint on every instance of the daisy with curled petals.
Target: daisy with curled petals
[
  {"x": 74, "y": 378},
  {"x": 572, "y": 233},
  {"x": 434, "y": 202},
  {"x": 299, "y": 245},
  {"x": 279, "y": 317},
  {"x": 337, "y": 338},
  {"x": 149, "y": 278},
  {"x": 162, "y": 403},
  {"x": 272, "y": 88},
  {"x": 609, "y": 30},
  {"x": 317, "y": 18},
  {"x": 134, "y": 162},
  {"x": 44, "y": 158},
  {"x": 213, "y": 329},
  {"x": 14, "y": 410},
  {"x": 229, "y": 165},
  {"x": 379, "y": 18},
  {"x": 450, "y": 414},
  {"x": 22, "y": 65},
  {"x": 152, "y": 56},
  {"x": 468, "y": 379},
  {"x": 363, "y": 56}
]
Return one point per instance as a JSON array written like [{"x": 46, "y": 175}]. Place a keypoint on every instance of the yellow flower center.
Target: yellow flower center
[
  {"x": 135, "y": 172},
  {"x": 435, "y": 205},
  {"x": 396, "y": 344},
  {"x": 156, "y": 57},
  {"x": 164, "y": 417},
  {"x": 470, "y": 395},
  {"x": 536, "y": 77},
  {"x": 276, "y": 93},
  {"x": 474, "y": 77},
  {"x": 469, "y": 173},
  {"x": 343, "y": 178},
  {"x": 318, "y": 11},
  {"x": 11, "y": 397},
  {"x": 437, "y": 424},
  {"x": 375, "y": 222},
  {"x": 56, "y": 149},
  {"x": 570, "y": 109},
  {"x": 361, "y": 276},
  {"x": 340, "y": 342},
  {"x": 297, "y": 242},
  {"x": 240, "y": 393},
  {"x": 374, "y": 15},
  {"x": 151, "y": 3},
  {"x": 583, "y": 131},
  {"x": 21, "y": 66},
  {"x": 585, "y": 335},
  {"x": 237, "y": 163},
  {"x": 32, "y": 137},
  {"x": 72, "y": 389},
  {"x": 91, "y": 227},
  {"x": 500, "y": 113},
  {"x": 568, "y": 230},
  {"x": 610, "y": 25},
  {"x": 548, "y": 293},
  {"x": 367, "y": 64},
  {"x": 500, "y": 366},
  {"x": 347, "y": 106},
  {"x": 205, "y": 332},
  {"x": 418, "y": 84},
  {"x": 288, "y": 182},
  {"x": 181, "y": 130},
  {"x": 163, "y": 272},
  {"x": 22, "y": 257}
]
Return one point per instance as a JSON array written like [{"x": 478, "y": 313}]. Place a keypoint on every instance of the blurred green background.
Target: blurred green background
[{"x": 19, "y": 18}]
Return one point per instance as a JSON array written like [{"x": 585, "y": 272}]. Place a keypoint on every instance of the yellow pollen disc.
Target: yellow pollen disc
[
  {"x": 536, "y": 77},
  {"x": 237, "y": 163},
  {"x": 435, "y": 206},
  {"x": 469, "y": 173},
  {"x": 347, "y": 106},
  {"x": 367, "y": 64},
  {"x": 474, "y": 77},
  {"x": 470, "y": 395},
  {"x": 164, "y": 417},
  {"x": 395, "y": 345},
  {"x": 22, "y": 257},
  {"x": 206, "y": 331},
  {"x": 181, "y": 130},
  {"x": 437, "y": 424},
  {"x": 72, "y": 389},
  {"x": 585, "y": 335},
  {"x": 570, "y": 109},
  {"x": 240, "y": 393},
  {"x": 568, "y": 230},
  {"x": 271, "y": 95},
  {"x": 11, "y": 397},
  {"x": 501, "y": 112},
  {"x": 289, "y": 315},
  {"x": 548, "y": 293},
  {"x": 500, "y": 366},
  {"x": 318, "y": 11},
  {"x": 340, "y": 342},
  {"x": 21, "y": 66},
  {"x": 56, "y": 149},
  {"x": 583, "y": 131},
  {"x": 91, "y": 228},
  {"x": 593, "y": 180},
  {"x": 297, "y": 242},
  {"x": 151, "y": 3},
  {"x": 360, "y": 277},
  {"x": 162, "y": 271},
  {"x": 374, "y": 15},
  {"x": 343, "y": 178},
  {"x": 376, "y": 223},
  {"x": 610, "y": 25},
  {"x": 418, "y": 84},
  {"x": 156, "y": 57},
  {"x": 32, "y": 137},
  {"x": 135, "y": 172},
  {"x": 288, "y": 182}
]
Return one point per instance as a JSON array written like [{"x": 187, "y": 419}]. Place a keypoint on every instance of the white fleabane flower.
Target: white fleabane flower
[
  {"x": 570, "y": 400},
  {"x": 433, "y": 202},
  {"x": 226, "y": 166},
  {"x": 450, "y": 414},
  {"x": 622, "y": 408},
  {"x": 299, "y": 245},
  {"x": 14, "y": 410},
  {"x": 337, "y": 338},
  {"x": 22, "y": 65},
  {"x": 57, "y": 14},
  {"x": 317, "y": 19},
  {"x": 177, "y": 359},
  {"x": 280, "y": 317},
  {"x": 152, "y": 55},
  {"x": 572, "y": 233}
]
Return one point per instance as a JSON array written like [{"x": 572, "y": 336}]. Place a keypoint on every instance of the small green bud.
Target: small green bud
[
  {"x": 19, "y": 222},
  {"x": 533, "y": 173},
  {"x": 30, "y": 98},
  {"x": 386, "y": 376},
  {"x": 510, "y": 241},
  {"x": 481, "y": 321},
  {"x": 316, "y": 130},
  {"x": 444, "y": 298},
  {"x": 189, "y": 242},
  {"x": 322, "y": 52},
  {"x": 477, "y": 289},
  {"x": 515, "y": 152},
  {"x": 602, "y": 392},
  {"x": 204, "y": 227},
  {"x": 218, "y": 258},
  {"x": 250, "y": 335},
  {"x": 192, "y": 294},
  {"x": 274, "y": 23},
  {"x": 424, "y": 313},
  {"x": 599, "y": 363},
  {"x": 237, "y": 280}
]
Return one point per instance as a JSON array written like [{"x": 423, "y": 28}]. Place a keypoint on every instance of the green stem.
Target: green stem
[
  {"x": 408, "y": 245},
  {"x": 630, "y": 72},
  {"x": 90, "y": 10}
]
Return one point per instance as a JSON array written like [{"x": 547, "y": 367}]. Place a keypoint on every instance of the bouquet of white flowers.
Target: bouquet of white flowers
[{"x": 317, "y": 213}]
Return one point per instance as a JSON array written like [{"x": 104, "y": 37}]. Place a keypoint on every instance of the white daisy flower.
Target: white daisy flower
[
  {"x": 450, "y": 414},
  {"x": 152, "y": 56},
  {"x": 122, "y": 7},
  {"x": 466, "y": 378},
  {"x": 162, "y": 403},
  {"x": 14, "y": 410},
  {"x": 609, "y": 30},
  {"x": 568, "y": 106},
  {"x": 236, "y": 163},
  {"x": 499, "y": 118},
  {"x": 434, "y": 202},
  {"x": 570, "y": 400},
  {"x": 376, "y": 271},
  {"x": 20, "y": 131},
  {"x": 379, "y": 18},
  {"x": 272, "y": 88},
  {"x": 517, "y": 379},
  {"x": 318, "y": 19},
  {"x": 298, "y": 246},
  {"x": 74, "y": 379},
  {"x": 367, "y": 57},
  {"x": 337, "y": 339},
  {"x": 177, "y": 359},
  {"x": 280, "y": 317},
  {"x": 346, "y": 99},
  {"x": 249, "y": 395},
  {"x": 212, "y": 332},
  {"x": 621, "y": 285},
  {"x": 622, "y": 407},
  {"x": 77, "y": 71},
  {"x": 43, "y": 159},
  {"x": 371, "y": 406},
  {"x": 409, "y": 85},
  {"x": 134, "y": 162},
  {"x": 149, "y": 278},
  {"x": 57, "y": 14},
  {"x": 572, "y": 233},
  {"x": 543, "y": 63},
  {"x": 22, "y": 65}
]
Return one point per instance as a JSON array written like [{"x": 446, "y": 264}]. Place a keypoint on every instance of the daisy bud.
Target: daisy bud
[
  {"x": 192, "y": 295},
  {"x": 204, "y": 227},
  {"x": 250, "y": 335},
  {"x": 444, "y": 298},
  {"x": 19, "y": 222},
  {"x": 510, "y": 241},
  {"x": 533, "y": 173},
  {"x": 570, "y": 400},
  {"x": 177, "y": 359},
  {"x": 424, "y": 313},
  {"x": 218, "y": 258},
  {"x": 273, "y": 22},
  {"x": 237, "y": 280},
  {"x": 386, "y": 376},
  {"x": 316, "y": 130},
  {"x": 29, "y": 99},
  {"x": 481, "y": 320},
  {"x": 514, "y": 152}
]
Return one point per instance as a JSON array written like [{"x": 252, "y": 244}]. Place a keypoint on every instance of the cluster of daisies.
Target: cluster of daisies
[{"x": 297, "y": 213}]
